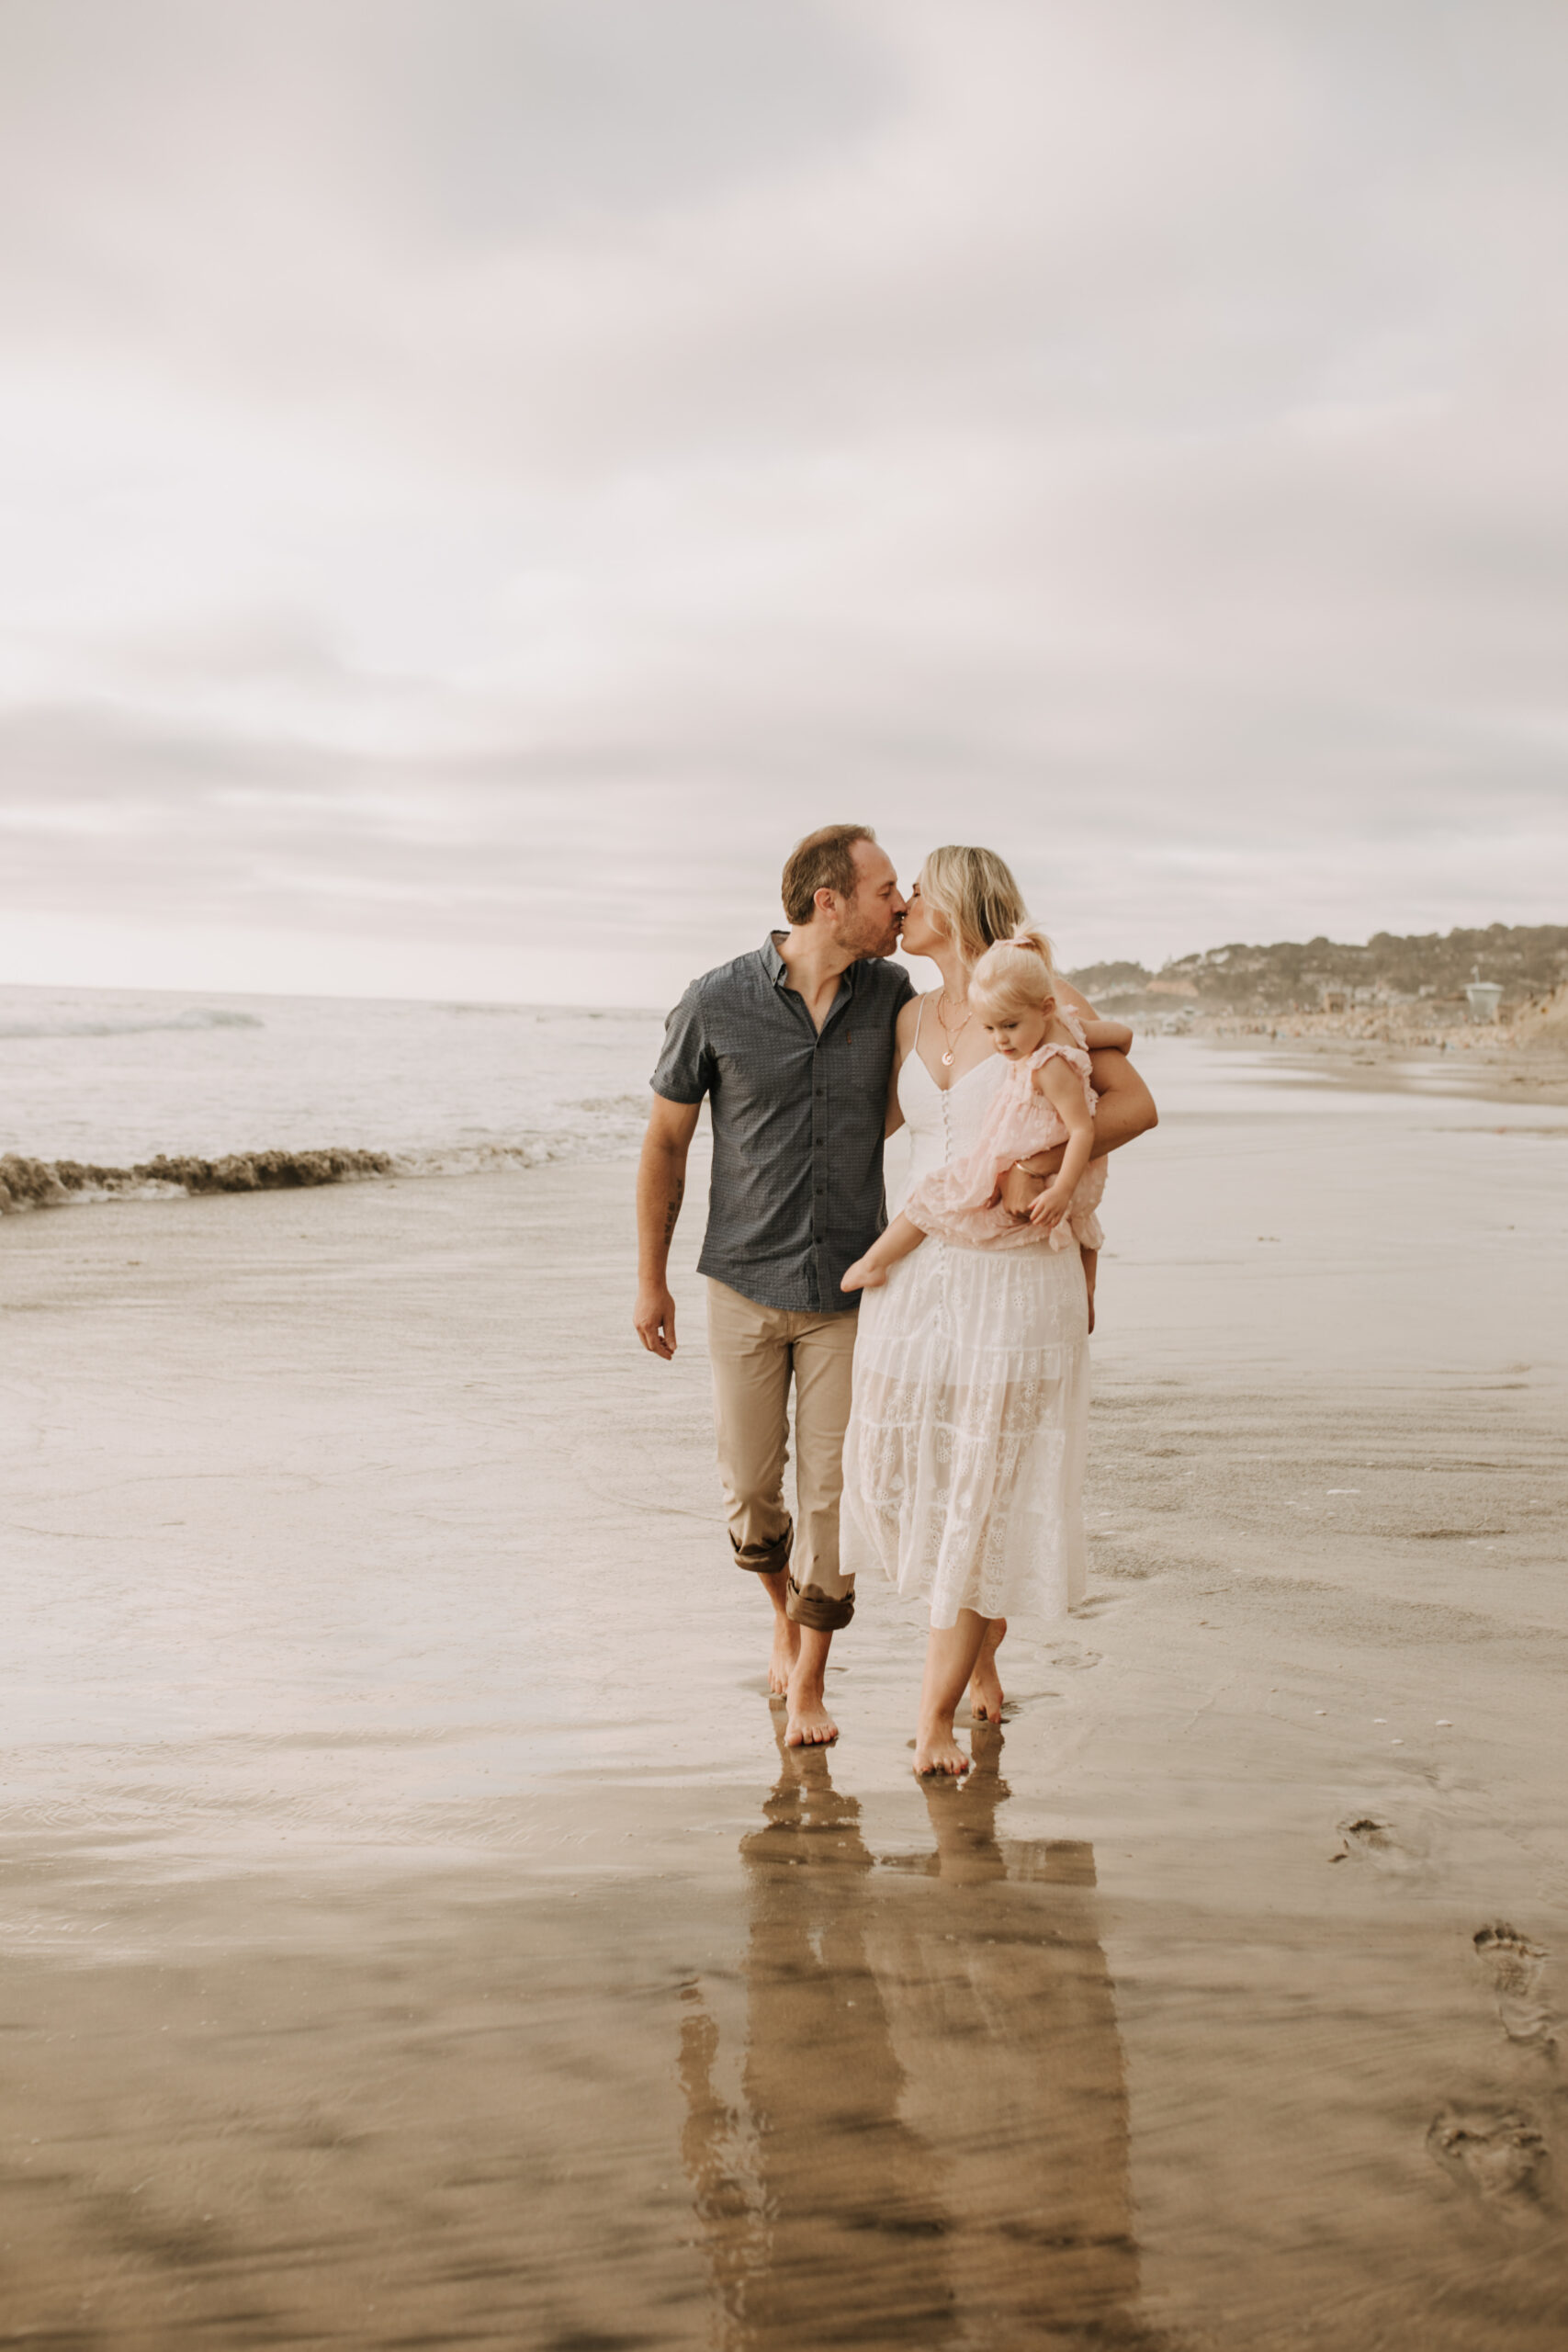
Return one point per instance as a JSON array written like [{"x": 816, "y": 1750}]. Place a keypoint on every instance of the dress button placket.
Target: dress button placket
[{"x": 942, "y": 1317}]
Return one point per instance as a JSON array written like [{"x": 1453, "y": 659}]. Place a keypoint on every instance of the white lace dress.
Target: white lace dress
[{"x": 964, "y": 1458}]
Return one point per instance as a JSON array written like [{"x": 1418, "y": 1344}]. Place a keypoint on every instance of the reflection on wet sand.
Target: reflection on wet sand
[{"x": 930, "y": 2145}]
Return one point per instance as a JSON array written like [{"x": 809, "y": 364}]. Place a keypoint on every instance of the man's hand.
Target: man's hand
[{"x": 654, "y": 1318}]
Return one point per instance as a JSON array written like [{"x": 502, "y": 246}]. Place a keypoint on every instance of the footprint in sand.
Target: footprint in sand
[
  {"x": 1100, "y": 1604},
  {"x": 1496, "y": 2152},
  {"x": 1515, "y": 1967},
  {"x": 1072, "y": 1656},
  {"x": 1367, "y": 1837}
]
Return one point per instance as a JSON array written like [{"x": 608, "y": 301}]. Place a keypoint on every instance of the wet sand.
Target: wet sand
[
  {"x": 413, "y": 1933},
  {"x": 1477, "y": 1064}
]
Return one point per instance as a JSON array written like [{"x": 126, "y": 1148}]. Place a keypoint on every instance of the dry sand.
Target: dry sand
[{"x": 412, "y": 1935}]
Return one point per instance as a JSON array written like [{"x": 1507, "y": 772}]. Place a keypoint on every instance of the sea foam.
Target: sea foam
[{"x": 196, "y": 1017}]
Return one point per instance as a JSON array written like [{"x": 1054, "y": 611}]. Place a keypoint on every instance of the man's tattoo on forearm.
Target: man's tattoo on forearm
[{"x": 674, "y": 1210}]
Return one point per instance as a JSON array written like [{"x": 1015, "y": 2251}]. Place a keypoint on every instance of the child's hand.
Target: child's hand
[{"x": 1050, "y": 1208}]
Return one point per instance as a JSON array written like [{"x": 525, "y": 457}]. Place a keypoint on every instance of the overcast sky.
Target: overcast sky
[{"x": 481, "y": 477}]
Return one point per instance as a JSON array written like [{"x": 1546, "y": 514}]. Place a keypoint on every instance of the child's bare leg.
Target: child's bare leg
[
  {"x": 1091, "y": 1266},
  {"x": 871, "y": 1271},
  {"x": 985, "y": 1683}
]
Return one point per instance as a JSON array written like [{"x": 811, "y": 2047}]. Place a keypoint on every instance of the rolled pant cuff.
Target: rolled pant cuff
[
  {"x": 815, "y": 1607},
  {"x": 765, "y": 1559}
]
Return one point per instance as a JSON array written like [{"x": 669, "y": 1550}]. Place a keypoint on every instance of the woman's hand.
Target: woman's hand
[
  {"x": 1017, "y": 1191},
  {"x": 1051, "y": 1207}
]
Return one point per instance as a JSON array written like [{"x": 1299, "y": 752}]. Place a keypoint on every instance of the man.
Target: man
[{"x": 794, "y": 1046}]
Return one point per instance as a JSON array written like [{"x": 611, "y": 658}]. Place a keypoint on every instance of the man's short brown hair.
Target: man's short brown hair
[{"x": 825, "y": 860}]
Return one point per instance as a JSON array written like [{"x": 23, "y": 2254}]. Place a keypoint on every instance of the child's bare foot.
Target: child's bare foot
[
  {"x": 786, "y": 1650},
  {"x": 985, "y": 1690},
  {"x": 809, "y": 1725},
  {"x": 936, "y": 1750},
  {"x": 864, "y": 1275}
]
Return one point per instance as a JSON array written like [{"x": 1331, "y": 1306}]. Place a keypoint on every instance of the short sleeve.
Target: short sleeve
[{"x": 686, "y": 1070}]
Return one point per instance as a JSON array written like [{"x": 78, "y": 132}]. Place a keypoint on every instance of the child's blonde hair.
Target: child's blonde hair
[{"x": 1015, "y": 973}]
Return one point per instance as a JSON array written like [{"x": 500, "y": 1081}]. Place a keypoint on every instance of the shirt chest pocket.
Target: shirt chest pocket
[{"x": 858, "y": 1056}]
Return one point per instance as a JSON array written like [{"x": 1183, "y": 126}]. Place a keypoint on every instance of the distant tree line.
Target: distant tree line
[{"x": 1528, "y": 960}]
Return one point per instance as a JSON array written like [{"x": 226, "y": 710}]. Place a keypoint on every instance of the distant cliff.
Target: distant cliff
[{"x": 1528, "y": 961}]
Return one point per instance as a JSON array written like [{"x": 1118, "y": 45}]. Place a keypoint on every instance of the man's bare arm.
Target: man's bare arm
[{"x": 660, "y": 1188}]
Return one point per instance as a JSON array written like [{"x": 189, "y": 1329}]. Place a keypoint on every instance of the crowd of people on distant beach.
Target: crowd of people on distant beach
[{"x": 938, "y": 1364}]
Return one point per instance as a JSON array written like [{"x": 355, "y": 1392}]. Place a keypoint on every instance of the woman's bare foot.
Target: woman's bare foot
[
  {"x": 985, "y": 1682},
  {"x": 809, "y": 1725},
  {"x": 985, "y": 1691},
  {"x": 936, "y": 1750},
  {"x": 864, "y": 1275},
  {"x": 786, "y": 1650}
]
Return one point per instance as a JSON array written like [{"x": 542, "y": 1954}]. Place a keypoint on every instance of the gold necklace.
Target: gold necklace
[{"x": 951, "y": 1035}]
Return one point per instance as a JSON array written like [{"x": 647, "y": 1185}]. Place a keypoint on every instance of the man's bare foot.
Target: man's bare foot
[
  {"x": 985, "y": 1690},
  {"x": 809, "y": 1725},
  {"x": 786, "y": 1650},
  {"x": 936, "y": 1750},
  {"x": 864, "y": 1275}
]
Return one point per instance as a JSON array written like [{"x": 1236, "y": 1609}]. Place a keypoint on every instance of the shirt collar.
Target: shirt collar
[{"x": 778, "y": 970}]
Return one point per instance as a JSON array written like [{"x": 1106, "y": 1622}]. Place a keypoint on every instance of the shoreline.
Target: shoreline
[{"x": 1481, "y": 1067}]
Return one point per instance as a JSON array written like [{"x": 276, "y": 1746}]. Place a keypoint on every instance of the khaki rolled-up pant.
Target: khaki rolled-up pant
[{"x": 756, "y": 1352}]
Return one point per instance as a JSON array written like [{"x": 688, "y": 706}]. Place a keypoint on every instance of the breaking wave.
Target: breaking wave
[
  {"x": 51, "y": 1183},
  {"x": 196, "y": 1017},
  {"x": 28, "y": 1183}
]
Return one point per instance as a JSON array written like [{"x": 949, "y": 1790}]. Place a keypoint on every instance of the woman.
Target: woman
[{"x": 964, "y": 1458}]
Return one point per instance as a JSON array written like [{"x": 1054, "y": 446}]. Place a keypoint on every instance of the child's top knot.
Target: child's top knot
[{"x": 1019, "y": 971}]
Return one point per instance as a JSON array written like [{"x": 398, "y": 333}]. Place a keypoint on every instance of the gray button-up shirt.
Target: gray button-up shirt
[{"x": 797, "y": 1121}]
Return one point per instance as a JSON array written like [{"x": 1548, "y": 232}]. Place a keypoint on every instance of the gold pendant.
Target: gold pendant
[{"x": 947, "y": 1059}]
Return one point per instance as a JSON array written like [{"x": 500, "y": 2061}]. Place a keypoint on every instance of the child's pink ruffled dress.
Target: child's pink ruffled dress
[{"x": 955, "y": 1202}]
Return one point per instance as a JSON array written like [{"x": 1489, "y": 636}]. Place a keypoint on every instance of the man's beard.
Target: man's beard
[{"x": 870, "y": 945}]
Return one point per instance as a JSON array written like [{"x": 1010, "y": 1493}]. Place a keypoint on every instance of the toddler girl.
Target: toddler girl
[{"x": 1045, "y": 1098}]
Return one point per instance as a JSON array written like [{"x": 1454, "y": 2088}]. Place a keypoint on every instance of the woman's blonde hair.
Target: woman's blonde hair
[
  {"x": 974, "y": 894},
  {"x": 1017, "y": 972}
]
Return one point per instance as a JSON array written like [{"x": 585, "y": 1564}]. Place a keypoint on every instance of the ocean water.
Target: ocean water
[{"x": 117, "y": 1077}]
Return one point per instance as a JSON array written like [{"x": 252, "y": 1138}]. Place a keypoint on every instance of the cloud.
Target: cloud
[{"x": 490, "y": 479}]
